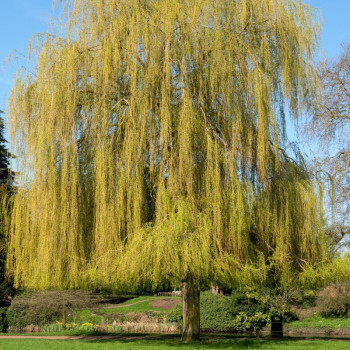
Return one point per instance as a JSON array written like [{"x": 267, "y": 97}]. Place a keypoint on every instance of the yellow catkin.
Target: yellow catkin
[{"x": 149, "y": 143}]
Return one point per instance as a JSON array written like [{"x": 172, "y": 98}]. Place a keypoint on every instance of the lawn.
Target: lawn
[
  {"x": 319, "y": 322},
  {"x": 139, "y": 304},
  {"x": 172, "y": 343}
]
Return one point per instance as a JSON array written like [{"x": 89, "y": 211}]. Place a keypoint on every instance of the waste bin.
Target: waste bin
[{"x": 277, "y": 326}]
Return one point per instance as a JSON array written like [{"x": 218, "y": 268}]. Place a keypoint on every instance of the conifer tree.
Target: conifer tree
[
  {"x": 150, "y": 146},
  {"x": 6, "y": 190},
  {"x": 6, "y": 176}
]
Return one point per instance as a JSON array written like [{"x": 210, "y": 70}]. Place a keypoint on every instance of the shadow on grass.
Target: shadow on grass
[{"x": 206, "y": 342}]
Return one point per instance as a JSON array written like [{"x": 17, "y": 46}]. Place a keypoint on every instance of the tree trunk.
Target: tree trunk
[{"x": 190, "y": 310}]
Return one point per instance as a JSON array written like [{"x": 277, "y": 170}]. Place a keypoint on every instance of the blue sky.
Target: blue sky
[
  {"x": 336, "y": 24},
  {"x": 20, "y": 19}
]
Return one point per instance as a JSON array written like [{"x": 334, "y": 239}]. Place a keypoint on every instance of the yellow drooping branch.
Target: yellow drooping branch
[{"x": 148, "y": 144}]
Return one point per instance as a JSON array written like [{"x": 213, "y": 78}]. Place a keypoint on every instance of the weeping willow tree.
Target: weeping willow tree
[{"x": 149, "y": 139}]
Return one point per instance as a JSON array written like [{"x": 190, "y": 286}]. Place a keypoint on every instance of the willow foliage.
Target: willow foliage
[{"x": 149, "y": 144}]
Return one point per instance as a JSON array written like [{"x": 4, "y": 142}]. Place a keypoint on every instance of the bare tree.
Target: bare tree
[{"x": 331, "y": 126}]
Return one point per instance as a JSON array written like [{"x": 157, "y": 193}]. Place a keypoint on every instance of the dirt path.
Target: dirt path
[
  {"x": 125, "y": 305},
  {"x": 165, "y": 303}
]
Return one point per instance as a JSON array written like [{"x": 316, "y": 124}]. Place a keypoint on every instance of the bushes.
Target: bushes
[
  {"x": 244, "y": 322},
  {"x": 215, "y": 312},
  {"x": 3, "y": 319},
  {"x": 175, "y": 316},
  {"x": 334, "y": 301},
  {"x": 248, "y": 302},
  {"x": 238, "y": 312},
  {"x": 40, "y": 308}
]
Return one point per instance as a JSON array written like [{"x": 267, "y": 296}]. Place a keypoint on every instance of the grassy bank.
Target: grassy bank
[
  {"x": 318, "y": 322},
  {"x": 139, "y": 304},
  {"x": 173, "y": 343}
]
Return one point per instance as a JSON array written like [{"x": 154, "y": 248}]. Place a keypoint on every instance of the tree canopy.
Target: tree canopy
[{"x": 150, "y": 143}]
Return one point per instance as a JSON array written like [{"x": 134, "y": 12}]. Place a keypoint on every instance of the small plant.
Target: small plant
[{"x": 334, "y": 301}]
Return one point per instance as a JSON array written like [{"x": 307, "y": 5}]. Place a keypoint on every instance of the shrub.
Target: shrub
[
  {"x": 243, "y": 322},
  {"x": 308, "y": 300},
  {"x": 3, "y": 319},
  {"x": 175, "y": 315},
  {"x": 40, "y": 308},
  {"x": 284, "y": 311},
  {"x": 237, "y": 312},
  {"x": 334, "y": 301},
  {"x": 215, "y": 312},
  {"x": 248, "y": 302}
]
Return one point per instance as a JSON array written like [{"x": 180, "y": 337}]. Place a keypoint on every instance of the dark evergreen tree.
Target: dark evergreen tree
[
  {"x": 6, "y": 176},
  {"x": 6, "y": 190}
]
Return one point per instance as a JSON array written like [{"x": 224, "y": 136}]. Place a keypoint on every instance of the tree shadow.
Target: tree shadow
[{"x": 207, "y": 342}]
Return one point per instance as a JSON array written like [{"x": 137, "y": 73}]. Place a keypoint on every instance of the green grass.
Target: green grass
[
  {"x": 170, "y": 344},
  {"x": 143, "y": 305},
  {"x": 319, "y": 322},
  {"x": 139, "y": 304}
]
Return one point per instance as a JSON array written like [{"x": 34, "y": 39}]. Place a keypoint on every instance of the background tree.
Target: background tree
[
  {"x": 331, "y": 127},
  {"x": 6, "y": 190},
  {"x": 155, "y": 131}
]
